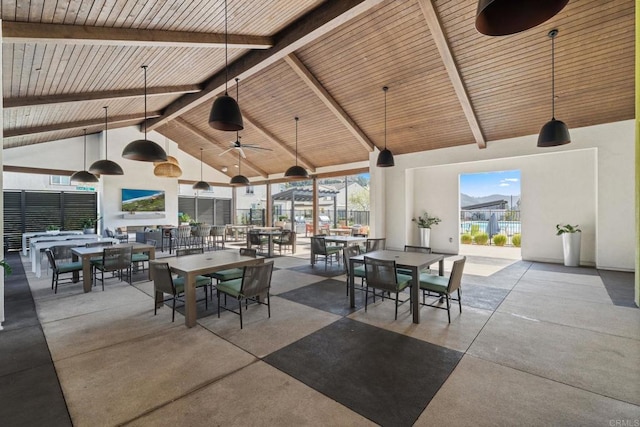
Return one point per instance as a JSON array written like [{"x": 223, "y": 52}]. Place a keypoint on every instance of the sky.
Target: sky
[{"x": 485, "y": 184}]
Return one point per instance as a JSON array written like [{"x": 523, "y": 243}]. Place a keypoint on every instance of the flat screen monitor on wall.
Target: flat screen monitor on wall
[{"x": 142, "y": 200}]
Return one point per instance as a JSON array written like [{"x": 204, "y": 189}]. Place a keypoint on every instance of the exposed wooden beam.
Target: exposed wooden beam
[
  {"x": 310, "y": 80},
  {"x": 346, "y": 172},
  {"x": 440, "y": 39},
  {"x": 95, "y": 96},
  {"x": 27, "y": 32},
  {"x": 37, "y": 171},
  {"x": 271, "y": 137},
  {"x": 200, "y": 134},
  {"x": 8, "y": 133},
  {"x": 314, "y": 25}
]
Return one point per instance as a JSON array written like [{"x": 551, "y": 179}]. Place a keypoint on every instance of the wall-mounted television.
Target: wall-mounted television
[{"x": 142, "y": 200}]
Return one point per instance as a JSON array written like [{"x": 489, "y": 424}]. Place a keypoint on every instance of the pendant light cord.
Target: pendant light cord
[
  {"x": 552, "y": 34},
  {"x": 144, "y": 67},
  {"x": 297, "y": 140},
  {"x": 106, "y": 135},
  {"x": 385, "y": 89},
  {"x": 201, "y": 164},
  {"x": 226, "y": 59},
  {"x": 239, "y": 164}
]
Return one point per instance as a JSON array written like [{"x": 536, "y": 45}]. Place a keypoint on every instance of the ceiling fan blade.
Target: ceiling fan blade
[
  {"x": 244, "y": 156},
  {"x": 226, "y": 151},
  {"x": 255, "y": 147}
]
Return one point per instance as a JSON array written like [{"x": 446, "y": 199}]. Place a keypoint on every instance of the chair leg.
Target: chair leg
[
  {"x": 240, "y": 308},
  {"x": 268, "y": 305},
  {"x": 366, "y": 297},
  {"x": 397, "y": 305},
  {"x": 459, "y": 300},
  {"x": 448, "y": 309},
  {"x": 218, "y": 295},
  {"x": 173, "y": 309}
]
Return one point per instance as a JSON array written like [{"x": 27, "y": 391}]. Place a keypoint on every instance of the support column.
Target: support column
[
  {"x": 316, "y": 206},
  {"x": 269, "y": 205},
  {"x": 637, "y": 275},
  {"x": 2, "y": 319}
]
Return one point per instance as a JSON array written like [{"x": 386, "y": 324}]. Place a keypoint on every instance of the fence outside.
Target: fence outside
[
  {"x": 506, "y": 222},
  {"x": 257, "y": 216}
]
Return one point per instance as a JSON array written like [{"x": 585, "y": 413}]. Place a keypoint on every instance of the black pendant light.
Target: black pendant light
[
  {"x": 201, "y": 185},
  {"x": 83, "y": 176},
  {"x": 142, "y": 149},
  {"x": 225, "y": 112},
  {"x": 106, "y": 166},
  {"x": 385, "y": 158},
  {"x": 554, "y": 132},
  {"x": 239, "y": 179},
  {"x": 503, "y": 17},
  {"x": 296, "y": 171}
]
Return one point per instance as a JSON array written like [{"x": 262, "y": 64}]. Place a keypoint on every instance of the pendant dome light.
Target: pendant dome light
[
  {"x": 201, "y": 185},
  {"x": 83, "y": 176},
  {"x": 296, "y": 171},
  {"x": 554, "y": 132},
  {"x": 239, "y": 179},
  {"x": 225, "y": 112},
  {"x": 142, "y": 149},
  {"x": 170, "y": 168},
  {"x": 385, "y": 158},
  {"x": 106, "y": 166},
  {"x": 503, "y": 17}
]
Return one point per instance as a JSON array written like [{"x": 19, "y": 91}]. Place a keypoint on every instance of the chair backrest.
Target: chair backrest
[
  {"x": 109, "y": 233},
  {"x": 381, "y": 274},
  {"x": 248, "y": 252},
  {"x": 202, "y": 230},
  {"x": 348, "y": 252},
  {"x": 455, "y": 279},
  {"x": 254, "y": 239},
  {"x": 421, "y": 249},
  {"x": 62, "y": 252},
  {"x": 184, "y": 231},
  {"x": 376, "y": 244},
  {"x": 152, "y": 242},
  {"x": 308, "y": 228},
  {"x": 189, "y": 251},
  {"x": 288, "y": 237},
  {"x": 162, "y": 280},
  {"x": 256, "y": 279},
  {"x": 116, "y": 258},
  {"x": 217, "y": 231},
  {"x": 98, "y": 244},
  {"x": 52, "y": 259},
  {"x": 319, "y": 245}
]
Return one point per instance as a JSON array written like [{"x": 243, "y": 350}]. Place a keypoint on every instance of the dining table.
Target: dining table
[
  {"x": 270, "y": 233},
  {"x": 85, "y": 254},
  {"x": 26, "y": 237},
  {"x": 191, "y": 266},
  {"x": 414, "y": 261},
  {"x": 38, "y": 246}
]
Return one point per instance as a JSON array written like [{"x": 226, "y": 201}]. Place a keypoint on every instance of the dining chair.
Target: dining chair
[
  {"x": 419, "y": 249},
  {"x": 201, "y": 235},
  {"x": 139, "y": 258},
  {"x": 98, "y": 244},
  {"x": 319, "y": 248},
  {"x": 233, "y": 273},
  {"x": 375, "y": 244},
  {"x": 382, "y": 275},
  {"x": 256, "y": 240},
  {"x": 189, "y": 251},
  {"x": 116, "y": 260},
  {"x": 183, "y": 236},
  {"x": 164, "y": 282},
  {"x": 288, "y": 238},
  {"x": 201, "y": 281},
  {"x": 217, "y": 233},
  {"x": 347, "y": 253},
  {"x": 61, "y": 265},
  {"x": 444, "y": 286},
  {"x": 253, "y": 286}
]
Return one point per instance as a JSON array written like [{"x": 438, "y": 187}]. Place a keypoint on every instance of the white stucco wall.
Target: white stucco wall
[{"x": 588, "y": 182}]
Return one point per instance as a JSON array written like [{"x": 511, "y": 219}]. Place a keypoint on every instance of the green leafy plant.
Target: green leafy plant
[
  {"x": 567, "y": 228},
  {"x": 499, "y": 240},
  {"x": 90, "y": 222},
  {"x": 426, "y": 221},
  {"x": 516, "y": 240},
  {"x": 7, "y": 267},
  {"x": 52, "y": 228},
  {"x": 282, "y": 217},
  {"x": 475, "y": 229},
  {"x": 481, "y": 238},
  {"x": 183, "y": 217},
  {"x": 466, "y": 239}
]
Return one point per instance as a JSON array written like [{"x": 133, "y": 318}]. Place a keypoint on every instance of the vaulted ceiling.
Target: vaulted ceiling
[{"x": 324, "y": 61}]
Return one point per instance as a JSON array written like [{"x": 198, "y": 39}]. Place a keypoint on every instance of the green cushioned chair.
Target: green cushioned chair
[
  {"x": 233, "y": 273},
  {"x": 115, "y": 260},
  {"x": 254, "y": 286},
  {"x": 319, "y": 248},
  {"x": 444, "y": 286},
  {"x": 420, "y": 249},
  {"x": 359, "y": 271},
  {"x": 138, "y": 259},
  {"x": 165, "y": 283},
  {"x": 59, "y": 268},
  {"x": 382, "y": 275}
]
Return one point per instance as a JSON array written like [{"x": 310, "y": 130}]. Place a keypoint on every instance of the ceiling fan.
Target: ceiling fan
[{"x": 237, "y": 145}]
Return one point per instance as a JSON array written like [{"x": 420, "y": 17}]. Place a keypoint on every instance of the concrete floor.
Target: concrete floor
[{"x": 535, "y": 344}]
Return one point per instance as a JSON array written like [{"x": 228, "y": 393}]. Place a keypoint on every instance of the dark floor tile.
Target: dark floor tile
[
  {"x": 559, "y": 268},
  {"x": 22, "y": 349},
  {"x": 328, "y": 295},
  {"x": 619, "y": 286},
  {"x": 387, "y": 377},
  {"x": 19, "y": 313},
  {"x": 319, "y": 270},
  {"x": 483, "y": 297},
  {"x": 33, "y": 397}
]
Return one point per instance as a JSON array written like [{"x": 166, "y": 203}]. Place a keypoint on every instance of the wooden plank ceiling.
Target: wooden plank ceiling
[{"x": 323, "y": 61}]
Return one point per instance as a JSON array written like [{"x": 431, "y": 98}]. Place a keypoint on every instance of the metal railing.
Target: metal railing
[{"x": 492, "y": 222}]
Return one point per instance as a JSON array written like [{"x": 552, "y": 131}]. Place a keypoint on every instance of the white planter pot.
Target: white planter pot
[
  {"x": 571, "y": 247},
  {"x": 425, "y": 236}
]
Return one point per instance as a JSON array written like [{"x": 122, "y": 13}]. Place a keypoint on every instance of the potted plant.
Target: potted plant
[
  {"x": 6, "y": 267},
  {"x": 424, "y": 223},
  {"x": 184, "y": 219},
  {"x": 570, "y": 243},
  {"x": 52, "y": 229},
  {"x": 89, "y": 225}
]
